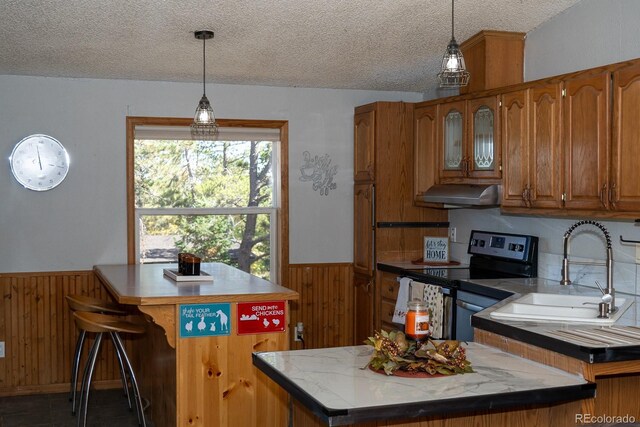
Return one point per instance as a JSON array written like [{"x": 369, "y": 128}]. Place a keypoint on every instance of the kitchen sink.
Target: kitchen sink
[{"x": 559, "y": 308}]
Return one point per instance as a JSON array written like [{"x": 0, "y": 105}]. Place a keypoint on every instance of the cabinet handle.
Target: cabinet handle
[
  {"x": 613, "y": 196},
  {"x": 563, "y": 198},
  {"x": 524, "y": 195},
  {"x": 603, "y": 196},
  {"x": 529, "y": 195}
]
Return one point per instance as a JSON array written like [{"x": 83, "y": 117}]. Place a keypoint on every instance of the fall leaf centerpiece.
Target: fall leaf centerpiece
[{"x": 393, "y": 352}]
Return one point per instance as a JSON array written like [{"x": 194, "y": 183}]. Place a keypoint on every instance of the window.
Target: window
[{"x": 218, "y": 199}]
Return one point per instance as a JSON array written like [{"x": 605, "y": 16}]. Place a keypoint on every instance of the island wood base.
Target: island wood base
[
  {"x": 617, "y": 383},
  {"x": 207, "y": 381}
]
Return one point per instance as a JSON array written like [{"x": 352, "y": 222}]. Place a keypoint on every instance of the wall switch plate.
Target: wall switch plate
[
  {"x": 452, "y": 234},
  {"x": 1, "y": 349}
]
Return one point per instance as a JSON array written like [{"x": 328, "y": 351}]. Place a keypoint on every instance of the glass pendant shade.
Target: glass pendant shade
[
  {"x": 204, "y": 122},
  {"x": 454, "y": 72}
]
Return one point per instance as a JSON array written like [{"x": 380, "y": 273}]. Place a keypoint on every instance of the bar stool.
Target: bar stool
[
  {"x": 79, "y": 302},
  {"x": 101, "y": 324}
]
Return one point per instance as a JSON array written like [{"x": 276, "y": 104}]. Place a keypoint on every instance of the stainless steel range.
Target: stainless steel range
[{"x": 493, "y": 256}]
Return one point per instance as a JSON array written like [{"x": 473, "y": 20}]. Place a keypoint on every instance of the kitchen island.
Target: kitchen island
[
  {"x": 331, "y": 384},
  {"x": 194, "y": 363}
]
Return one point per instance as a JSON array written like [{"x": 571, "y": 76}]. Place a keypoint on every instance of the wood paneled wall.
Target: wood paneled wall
[
  {"x": 325, "y": 305},
  {"x": 40, "y": 335}
]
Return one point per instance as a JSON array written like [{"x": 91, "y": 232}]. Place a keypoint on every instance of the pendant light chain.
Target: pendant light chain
[
  {"x": 204, "y": 66},
  {"x": 452, "y": 19}
]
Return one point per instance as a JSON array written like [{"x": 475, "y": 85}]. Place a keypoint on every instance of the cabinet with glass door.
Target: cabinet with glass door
[{"x": 470, "y": 143}]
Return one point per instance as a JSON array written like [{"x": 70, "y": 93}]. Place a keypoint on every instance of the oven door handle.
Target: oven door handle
[{"x": 468, "y": 306}]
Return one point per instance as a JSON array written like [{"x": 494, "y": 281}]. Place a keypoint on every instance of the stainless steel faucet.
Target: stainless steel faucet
[{"x": 608, "y": 292}]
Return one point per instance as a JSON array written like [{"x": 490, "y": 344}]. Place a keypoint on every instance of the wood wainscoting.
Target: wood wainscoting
[
  {"x": 325, "y": 306},
  {"x": 40, "y": 335}
]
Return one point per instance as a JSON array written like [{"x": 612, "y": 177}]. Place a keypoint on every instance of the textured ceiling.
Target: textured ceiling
[{"x": 357, "y": 44}]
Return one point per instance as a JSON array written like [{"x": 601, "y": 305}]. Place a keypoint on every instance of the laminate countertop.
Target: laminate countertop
[
  {"x": 145, "y": 284},
  {"x": 332, "y": 384},
  {"x": 588, "y": 342}
]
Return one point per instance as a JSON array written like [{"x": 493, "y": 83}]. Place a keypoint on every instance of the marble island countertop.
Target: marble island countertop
[{"x": 331, "y": 383}]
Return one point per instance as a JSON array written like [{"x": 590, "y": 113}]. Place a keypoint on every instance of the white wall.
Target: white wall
[
  {"x": 83, "y": 221},
  {"x": 591, "y": 33}
]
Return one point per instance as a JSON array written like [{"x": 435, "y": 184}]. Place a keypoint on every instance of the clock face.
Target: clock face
[{"x": 39, "y": 162}]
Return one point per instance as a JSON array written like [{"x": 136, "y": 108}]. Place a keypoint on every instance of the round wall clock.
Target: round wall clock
[{"x": 39, "y": 162}]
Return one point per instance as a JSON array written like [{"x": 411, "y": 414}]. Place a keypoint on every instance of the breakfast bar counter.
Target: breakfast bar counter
[
  {"x": 331, "y": 384},
  {"x": 194, "y": 363}
]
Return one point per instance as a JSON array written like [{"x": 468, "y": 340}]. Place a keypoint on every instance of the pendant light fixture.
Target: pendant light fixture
[
  {"x": 204, "y": 123},
  {"x": 453, "y": 73}
]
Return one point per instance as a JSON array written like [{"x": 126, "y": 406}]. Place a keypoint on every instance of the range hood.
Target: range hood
[{"x": 464, "y": 194}]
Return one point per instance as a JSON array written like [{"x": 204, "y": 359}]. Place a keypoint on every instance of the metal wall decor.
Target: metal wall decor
[{"x": 318, "y": 170}]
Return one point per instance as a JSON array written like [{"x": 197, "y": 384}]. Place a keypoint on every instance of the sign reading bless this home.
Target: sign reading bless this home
[{"x": 436, "y": 249}]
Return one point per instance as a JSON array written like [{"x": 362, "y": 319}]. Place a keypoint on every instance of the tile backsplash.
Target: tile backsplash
[{"x": 587, "y": 244}]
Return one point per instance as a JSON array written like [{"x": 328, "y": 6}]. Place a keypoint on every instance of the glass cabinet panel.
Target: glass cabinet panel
[
  {"x": 483, "y": 155},
  {"x": 453, "y": 141}
]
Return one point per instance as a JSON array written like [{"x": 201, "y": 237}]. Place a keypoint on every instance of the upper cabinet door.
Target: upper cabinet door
[
  {"x": 363, "y": 232},
  {"x": 545, "y": 165},
  {"x": 483, "y": 155},
  {"x": 586, "y": 129},
  {"x": 425, "y": 135},
  {"x": 452, "y": 158},
  {"x": 364, "y": 145},
  {"x": 624, "y": 191},
  {"x": 515, "y": 183}
]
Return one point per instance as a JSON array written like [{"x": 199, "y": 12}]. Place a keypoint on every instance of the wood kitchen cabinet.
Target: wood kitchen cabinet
[
  {"x": 624, "y": 188},
  {"x": 363, "y": 227},
  {"x": 468, "y": 139},
  {"x": 387, "y": 224},
  {"x": 389, "y": 286},
  {"x": 425, "y": 130},
  {"x": 531, "y": 140},
  {"x": 585, "y": 130},
  {"x": 364, "y": 307},
  {"x": 364, "y": 147}
]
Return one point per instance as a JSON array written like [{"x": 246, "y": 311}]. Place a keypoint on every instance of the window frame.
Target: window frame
[{"x": 281, "y": 185}]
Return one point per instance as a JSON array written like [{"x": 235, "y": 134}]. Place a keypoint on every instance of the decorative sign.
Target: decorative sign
[
  {"x": 261, "y": 317},
  {"x": 205, "y": 320},
  {"x": 436, "y": 249},
  {"x": 318, "y": 169}
]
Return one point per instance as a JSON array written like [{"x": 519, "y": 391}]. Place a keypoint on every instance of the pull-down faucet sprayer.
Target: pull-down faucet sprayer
[{"x": 608, "y": 291}]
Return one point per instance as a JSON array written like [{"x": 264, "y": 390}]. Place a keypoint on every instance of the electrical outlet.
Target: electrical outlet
[
  {"x": 637, "y": 254},
  {"x": 299, "y": 336},
  {"x": 1, "y": 349},
  {"x": 452, "y": 234}
]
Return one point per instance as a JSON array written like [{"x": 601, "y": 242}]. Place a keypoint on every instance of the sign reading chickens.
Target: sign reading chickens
[
  {"x": 205, "y": 320},
  {"x": 261, "y": 317}
]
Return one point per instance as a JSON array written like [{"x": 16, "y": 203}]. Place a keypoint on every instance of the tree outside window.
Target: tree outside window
[{"x": 211, "y": 198}]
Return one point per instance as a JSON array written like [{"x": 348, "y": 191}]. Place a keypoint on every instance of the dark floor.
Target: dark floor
[{"x": 106, "y": 408}]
